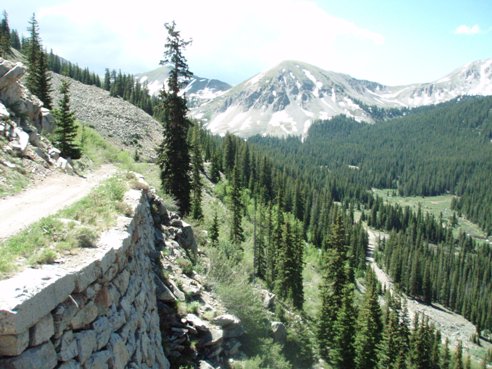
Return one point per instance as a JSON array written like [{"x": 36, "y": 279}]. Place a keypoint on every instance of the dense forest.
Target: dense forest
[{"x": 407, "y": 154}]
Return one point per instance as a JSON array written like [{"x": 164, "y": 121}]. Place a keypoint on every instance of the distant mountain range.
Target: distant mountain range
[
  {"x": 198, "y": 91},
  {"x": 288, "y": 98}
]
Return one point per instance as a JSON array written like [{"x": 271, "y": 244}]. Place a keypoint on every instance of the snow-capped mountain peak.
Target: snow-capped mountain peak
[{"x": 286, "y": 99}]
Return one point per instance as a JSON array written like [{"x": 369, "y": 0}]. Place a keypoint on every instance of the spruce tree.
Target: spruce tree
[
  {"x": 5, "y": 40},
  {"x": 214, "y": 231},
  {"x": 369, "y": 327},
  {"x": 342, "y": 351},
  {"x": 335, "y": 278},
  {"x": 196, "y": 169},
  {"x": 458, "y": 356},
  {"x": 173, "y": 152},
  {"x": 38, "y": 78},
  {"x": 236, "y": 235},
  {"x": 446, "y": 356},
  {"x": 65, "y": 127}
]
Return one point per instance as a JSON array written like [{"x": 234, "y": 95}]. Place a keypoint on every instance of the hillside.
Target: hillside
[{"x": 114, "y": 118}]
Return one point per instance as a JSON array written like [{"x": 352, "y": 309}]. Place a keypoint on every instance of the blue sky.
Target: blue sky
[{"x": 389, "y": 41}]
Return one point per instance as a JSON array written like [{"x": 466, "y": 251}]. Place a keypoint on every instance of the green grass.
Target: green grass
[
  {"x": 76, "y": 226},
  {"x": 99, "y": 150},
  {"x": 435, "y": 205}
]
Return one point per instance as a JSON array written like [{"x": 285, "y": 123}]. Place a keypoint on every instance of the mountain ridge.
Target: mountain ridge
[{"x": 287, "y": 99}]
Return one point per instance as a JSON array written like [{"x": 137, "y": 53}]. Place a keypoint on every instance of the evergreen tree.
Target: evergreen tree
[
  {"x": 335, "y": 278},
  {"x": 107, "y": 80},
  {"x": 5, "y": 40},
  {"x": 38, "y": 79},
  {"x": 65, "y": 127},
  {"x": 446, "y": 356},
  {"x": 214, "y": 231},
  {"x": 215, "y": 169},
  {"x": 15, "y": 40},
  {"x": 369, "y": 327},
  {"x": 458, "y": 356},
  {"x": 173, "y": 153},
  {"x": 237, "y": 234},
  {"x": 342, "y": 351},
  {"x": 196, "y": 169}
]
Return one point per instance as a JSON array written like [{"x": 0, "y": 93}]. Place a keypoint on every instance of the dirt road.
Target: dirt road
[
  {"x": 451, "y": 325},
  {"x": 45, "y": 198}
]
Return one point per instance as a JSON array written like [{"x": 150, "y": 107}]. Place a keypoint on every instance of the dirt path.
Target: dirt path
[
  {"x": 451, "y": 325},
  {"x": 46, "y": 198}
]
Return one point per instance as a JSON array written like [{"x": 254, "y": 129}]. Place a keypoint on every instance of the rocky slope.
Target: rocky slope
[
  {"x": 288, "y": 98},
  {"x": 114, "y": 118},
  {"x": 198, "y": 91},
  {"x": 24, "y": 153}
]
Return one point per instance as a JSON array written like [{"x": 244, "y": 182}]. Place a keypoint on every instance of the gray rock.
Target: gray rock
[
  {"x": 72, "y": 364},
  {"x": 103, "y": 328},
  {"x": 279, "y": 332},
  {"x": 42, "y": 331},
  {"x": 121, "y": 281},
  {"x": 186, "y": 238},
  {"x": 22, "y": 140},
  {"x": 197, "y": 322},
  {"x": 98, "y": 360},
  {"x": 14, "y": 344},
  {"x": 120, "y": 352},
  {"x": 63, "y": 315},
  {"x": 86, "y": 344},
  {"x": 39, "y": 357},
  {"x": 163, "y": 293},
  {"x": 202, "y": 364},
  {"x": 67, "y": 347},
  {"x": 84, "y": 316},
  {"x": 212, "y": 338},
  {"x": 226, "y": 320}
]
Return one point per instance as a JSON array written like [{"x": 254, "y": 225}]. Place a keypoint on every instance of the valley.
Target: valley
[{"x": 274, "y": 220}]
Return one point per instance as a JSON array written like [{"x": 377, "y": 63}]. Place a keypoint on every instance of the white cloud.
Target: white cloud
[
  {"x": 467, "y": 30},
  {"x": 236, "y": 38}
]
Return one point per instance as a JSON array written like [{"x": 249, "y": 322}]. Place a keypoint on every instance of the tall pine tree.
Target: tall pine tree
[
  {"x": 173, "y": 152},
  {"x": 38, "y": 78}
]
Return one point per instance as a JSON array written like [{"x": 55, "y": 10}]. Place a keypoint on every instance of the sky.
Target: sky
[{"x": 393, "y": 42}]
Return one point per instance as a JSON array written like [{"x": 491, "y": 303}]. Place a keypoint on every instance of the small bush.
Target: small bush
[
  {"x": 86, "y": 237},
  {"x": 185, "y": 265}
]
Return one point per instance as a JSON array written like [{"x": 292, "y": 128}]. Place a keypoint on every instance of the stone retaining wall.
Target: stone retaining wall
[{"x": 94, "y": 310}]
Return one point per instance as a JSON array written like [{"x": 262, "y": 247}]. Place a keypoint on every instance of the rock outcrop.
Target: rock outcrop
[
  {"x": 17, "y": 104},
  {"x": 195, "y": 326}
]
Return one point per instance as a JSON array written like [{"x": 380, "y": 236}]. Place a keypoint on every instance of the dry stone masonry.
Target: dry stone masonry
[
  {"x": 131, "y": 302},
  {"x": 97, "y": 311}
]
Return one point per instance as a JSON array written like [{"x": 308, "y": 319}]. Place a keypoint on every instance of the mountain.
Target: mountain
[
  {"x": 288, "y": 98},
  {"x": 198, "y": 91}
]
